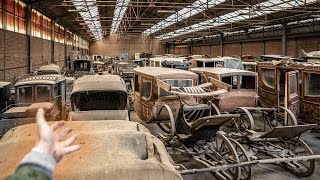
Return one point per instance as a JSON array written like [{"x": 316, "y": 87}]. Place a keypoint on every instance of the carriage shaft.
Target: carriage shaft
[{"x": 250, "y": 163}]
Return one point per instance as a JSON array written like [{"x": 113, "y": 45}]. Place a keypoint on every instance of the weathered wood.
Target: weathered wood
[
  {"x": 219, "y": 84},
  {"x": 165, "y": 86}
]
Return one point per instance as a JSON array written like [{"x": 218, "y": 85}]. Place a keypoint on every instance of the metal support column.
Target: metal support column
[
  {"x": 53, "y": 25},
  {"x": 221, "y": 44},
  {"x": 29, "y": 24},
  {"x": 284, "y": 39}
]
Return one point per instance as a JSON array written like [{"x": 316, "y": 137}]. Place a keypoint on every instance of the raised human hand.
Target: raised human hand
[{"x": 49, "y": 142}]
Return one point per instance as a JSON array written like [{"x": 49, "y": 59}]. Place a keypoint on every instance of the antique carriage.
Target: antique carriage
[
  {"x": 312, "y": 57},
  {"x": 80, "y": 67},
  {"x": 5, "y": 95},
  {"x": 170, "y": 62},
  {"x": 49, "y": 69},
  {"x": 32, "y": 93},
  {"x": 109, "y": 150},
  {"x": 99, "y": 97},
  {"x": 242, "y": 84},
  {"x": 98, "y": 67},
  {"x": 226, "y": 62},
  {"x": 292, "y": 85}
]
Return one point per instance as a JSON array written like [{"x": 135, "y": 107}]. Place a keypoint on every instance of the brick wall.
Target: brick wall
[
  {"x": 62, "y": 55},
  {"x": 253, "y": 48},
  {"x": 232, "y": 49},
  {"x": 40, "y": 52},
  {"x": 47, "y": 45},
  {"x": 273, "y": 47},
  {"x": 215, "y": 50},
  {"x": 13, "y": 55},
  {"x": 1, "y": 55},
  {"x": 111, "y": 46}
]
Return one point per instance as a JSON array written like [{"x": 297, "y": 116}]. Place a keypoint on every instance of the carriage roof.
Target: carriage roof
[
  {"x": 109, "y": 150},
  {"x": 4, "y": 83},
  {"x": 215, "y": 59},
  {"x": 40, "y": 79},
  {"x": 170, "y": 59},
  {"x": 159, "y": 72},
  {"x": 224, "y": 71},
  {"x": 291, "y": 65},
  {"x": 99, "y": 83},
  {"x": 50, "y": 67}
]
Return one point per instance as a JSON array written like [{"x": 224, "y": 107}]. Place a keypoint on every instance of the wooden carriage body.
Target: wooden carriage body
[
  {"x": 293, "y": 85},
  {"x": 242, "y": 83},
  {"x": 148, "y": 97}
]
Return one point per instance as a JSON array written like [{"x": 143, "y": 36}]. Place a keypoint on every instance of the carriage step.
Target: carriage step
[{"x": 183, "y": 136}]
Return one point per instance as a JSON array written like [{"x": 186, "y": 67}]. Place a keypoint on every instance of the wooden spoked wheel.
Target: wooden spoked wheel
[
  {"x": 221, "y": 152},
  {"x": 169, "y": 127},
  {"x": 245, "y": 173},
  {"x": 299, "y": 168}
]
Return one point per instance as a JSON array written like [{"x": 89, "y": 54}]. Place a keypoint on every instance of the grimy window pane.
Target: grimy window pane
[
  {"x": 312, "y": 82},
  {"x": 293, "y": 84}
]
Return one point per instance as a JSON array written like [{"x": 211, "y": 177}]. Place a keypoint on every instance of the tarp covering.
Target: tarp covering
[{"x": 109, "y": 150}]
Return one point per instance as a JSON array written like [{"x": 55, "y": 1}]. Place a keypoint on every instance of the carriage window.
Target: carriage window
[
  {"x": 248, "y": 82},
  {"x": 43, "y": 93},
  {"x": 312, "y": 84},
  {"x": 210, "y": 64},
  {"x": 176, "y": 83},
  {"x": 146, "y": 88},
  {"x": 219, "y": 64},
  {"x": 86, "y": 101},
  {"x": 152, "y": 63},
  {"x": 136, "y": 83},
  {"x": 268, "y": 77},
  {"x": 293, "y": 85},
  {"x": 157, "y": 64},
  {"x": 25, "y": 94},
  {"x": 199, "y": 64},
  {"x": 232, "y": 80}
]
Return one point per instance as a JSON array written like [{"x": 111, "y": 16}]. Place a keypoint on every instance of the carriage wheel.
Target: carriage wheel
[
  {"x": 245, "y": 121},
  {"x": 292, "y": 120},
  {"x": 168, "y": 127},
  {"x": 299, "y": 168},
  {"x": 222, "y": 152},
  {"x": 245, "y": 173}
]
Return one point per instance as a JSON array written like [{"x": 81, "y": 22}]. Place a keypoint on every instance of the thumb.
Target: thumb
[{"x": 41, "y": 122}]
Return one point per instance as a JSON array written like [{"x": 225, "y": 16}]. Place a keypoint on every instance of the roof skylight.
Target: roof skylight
[
  {"x": 265, "y": 8},
  {"x": 193, "y": 9},
  {"x": 119, "y": 11},
  {"x": 90, "y": 14}
]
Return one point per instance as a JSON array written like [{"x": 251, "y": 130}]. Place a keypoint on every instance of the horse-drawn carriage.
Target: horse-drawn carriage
[
  {"x": 33, "y": 92},
  {"x": 293, "y": 85},
  {"x": 191, "y": 120}
]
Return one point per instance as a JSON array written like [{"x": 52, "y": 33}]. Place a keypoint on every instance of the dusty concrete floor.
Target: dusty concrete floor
[{"x": 259, "y": 172}]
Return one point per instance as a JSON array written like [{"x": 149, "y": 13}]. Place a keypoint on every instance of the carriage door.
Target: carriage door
[{"x": 292, "y": 101}]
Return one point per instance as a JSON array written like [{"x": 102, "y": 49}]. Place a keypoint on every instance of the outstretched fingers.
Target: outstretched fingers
[
  {"x": 71, "y": 149},
  {"x": 57, "y": 125},
  {"x": 69, "y": 141},
  {"x": 40, "y": 118},
  {"x": 63, "y": 134}
]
